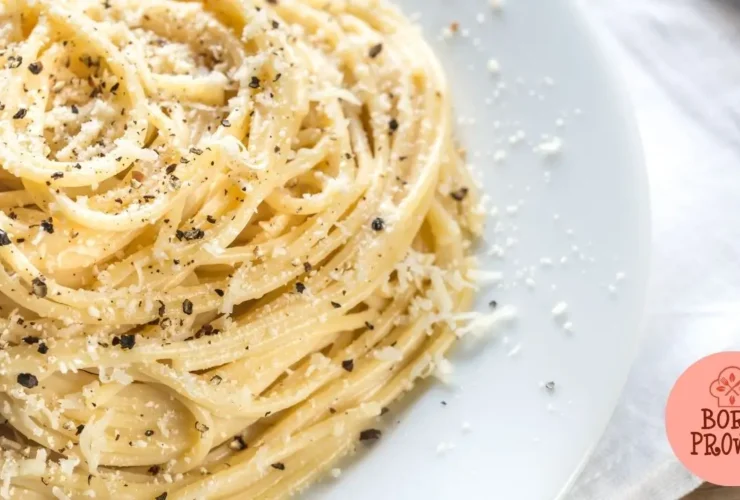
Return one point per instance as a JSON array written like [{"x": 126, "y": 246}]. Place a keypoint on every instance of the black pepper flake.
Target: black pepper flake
[
  {"x": 336, "y": 305},
  {"x": 42, "y": 348},
  {"x": 219, "y": 292},
  {"x": 384, "y": 410},
  {"x": 57, "y": 175},
  {"x": 187, "y": 307},
  {"x": 27, "y": 380},
  {"x": 460, "y": 194},
  {"x": 161, "y": 309},
  {"x": 154, "y": 470},
  {"x": 184, "y": 160},
  {"x": 206, "y": 330},
  {"x": 375, "y": 50},
  {"x": 171, "y": 168},
  {"x": 393, "y": 125},
  {"x": 370, "y": 435},
  {"x": 493, "y": 304},
  {"x": 116, "y": 340},
  {"x": 149, "y": 433},
  {"x": 47, "y": 226},
  {"x": 202, "y": 428},
  {"x": 348, "y": 364},
  {"x": 278, "y": 466},
  {"x": 4, "y": 238},
  {"x": 307, "y": 266},
  {"x": 550, "y": 386},
  {"x": 80, "y": 428},
  {"x": 75, "y": 110},
  {"x": 163, "y": 496},
  {"x": 216, "y": 380},
  {"x": 275, "y": 24},
  {"x": 369, "y": 325},
  {"x": 254, "y": 83},
  {"x": 378, "y": 224},
  {"x": 14, "y": 61},
  {"x": 300, "y": 287},
  {"x": 211, "y": 219},
  {"x": 332, "y": 410},
  {"x": 78, "y": 166},
  {"x": 35, "y": 67},
  {"x": 175, "y": 182},
  {"x": 225, "y": 123},
  {"x": 196, "y": 151},
  {"x": 39, "y": 288},
  {"x": 277, "y": 77},
  {"x": 30, "y": 340},
  {"x": 128, "y": 341},
  {"x": 238, "y": 443},
  {"x": 115, "y": 87},
  {"x": 20, "y": 114},
  {"x": 190, "y": 235},
  {"x": 165, "y": 323}
]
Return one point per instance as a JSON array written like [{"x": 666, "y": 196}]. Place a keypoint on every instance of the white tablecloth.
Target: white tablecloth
[{"x": 680, "y": 60}]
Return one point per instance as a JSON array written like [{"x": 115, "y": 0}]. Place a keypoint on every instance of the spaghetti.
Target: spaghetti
[{"x": 232, "y": 232}]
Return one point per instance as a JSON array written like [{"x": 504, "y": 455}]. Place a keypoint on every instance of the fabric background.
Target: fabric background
[{"x": 680, "y": 62}]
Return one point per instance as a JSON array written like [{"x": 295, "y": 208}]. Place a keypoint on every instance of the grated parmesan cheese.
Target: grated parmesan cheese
[
  {"x": 560, "y": 309},
  {"x": 67, "y": 465},
  {"x": 388, "y": 353},
  {"x": 92, "y": 440},
  {"x": 550, "y": 147},
  {"x": 59, "y": 493},
  {"x": 34, "y": 466},
  {"x": 481, "y": 323}
]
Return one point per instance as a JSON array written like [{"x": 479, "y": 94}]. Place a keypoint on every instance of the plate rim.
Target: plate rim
[{"x": 618, "y": 88}]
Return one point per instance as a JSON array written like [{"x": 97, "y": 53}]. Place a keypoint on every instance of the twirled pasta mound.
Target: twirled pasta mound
[{"x": 232, "y": 233}]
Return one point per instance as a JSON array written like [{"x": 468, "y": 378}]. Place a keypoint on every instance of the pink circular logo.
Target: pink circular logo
[{"x": 703, "y": 418}]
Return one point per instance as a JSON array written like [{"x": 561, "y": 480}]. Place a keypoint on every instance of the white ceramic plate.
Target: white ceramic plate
[{"x": 590, "y": 220}]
